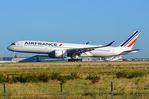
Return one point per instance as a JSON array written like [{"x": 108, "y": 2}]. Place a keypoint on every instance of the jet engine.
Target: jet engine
[{"x": 58, "y": 54}]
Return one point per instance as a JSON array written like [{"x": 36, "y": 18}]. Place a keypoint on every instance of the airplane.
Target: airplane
[{"x": 75, "y": 51}]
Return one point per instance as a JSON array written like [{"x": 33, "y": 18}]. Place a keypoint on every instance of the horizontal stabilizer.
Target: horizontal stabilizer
[{"x": 130, "y": 51}]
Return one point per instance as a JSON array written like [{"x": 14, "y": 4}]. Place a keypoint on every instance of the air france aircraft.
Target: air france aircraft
[{"x": 75, "y": 51}]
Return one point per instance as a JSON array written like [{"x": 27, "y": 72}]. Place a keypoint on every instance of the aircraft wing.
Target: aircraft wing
[
  {"x": 130, "y": 51},
  {"x": 78, "y": 51}
]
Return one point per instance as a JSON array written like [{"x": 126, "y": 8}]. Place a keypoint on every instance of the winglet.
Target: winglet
[{"x": 110, "y": 43}]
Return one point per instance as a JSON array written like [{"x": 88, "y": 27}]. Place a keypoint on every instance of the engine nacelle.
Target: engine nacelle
[{"x": 58, "y": 54}]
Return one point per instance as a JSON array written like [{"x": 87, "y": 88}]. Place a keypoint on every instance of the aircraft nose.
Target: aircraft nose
[{"x": 10, "y": 48}]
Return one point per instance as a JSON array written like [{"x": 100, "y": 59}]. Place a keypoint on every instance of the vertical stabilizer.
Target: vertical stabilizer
[{"x": 131, "y": 40}]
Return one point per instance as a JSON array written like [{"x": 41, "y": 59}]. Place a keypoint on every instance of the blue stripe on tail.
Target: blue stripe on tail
[{"x": 127, "y": 41}]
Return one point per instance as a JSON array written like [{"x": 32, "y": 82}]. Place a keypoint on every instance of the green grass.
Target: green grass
[{"x": 84, "y": 80}]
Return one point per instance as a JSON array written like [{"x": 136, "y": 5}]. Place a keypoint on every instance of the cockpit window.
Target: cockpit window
[{"x": 13, "y": 44}]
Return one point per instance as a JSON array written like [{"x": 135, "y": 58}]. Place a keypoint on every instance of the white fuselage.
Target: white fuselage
[{"x": 43, "y": 47}]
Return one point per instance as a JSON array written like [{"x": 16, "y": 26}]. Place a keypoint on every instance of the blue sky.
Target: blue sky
[{"x": 75, "y": 21}]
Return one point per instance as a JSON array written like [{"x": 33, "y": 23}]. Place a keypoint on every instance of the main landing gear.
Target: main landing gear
[{"x": 75, "y": 58}]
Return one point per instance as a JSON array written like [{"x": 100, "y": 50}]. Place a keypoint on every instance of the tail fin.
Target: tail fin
[{"x": 131, "y": 40}]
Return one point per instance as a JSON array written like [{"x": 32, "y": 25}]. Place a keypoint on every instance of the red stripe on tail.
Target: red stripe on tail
[{"x": 132, "y": 42}]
